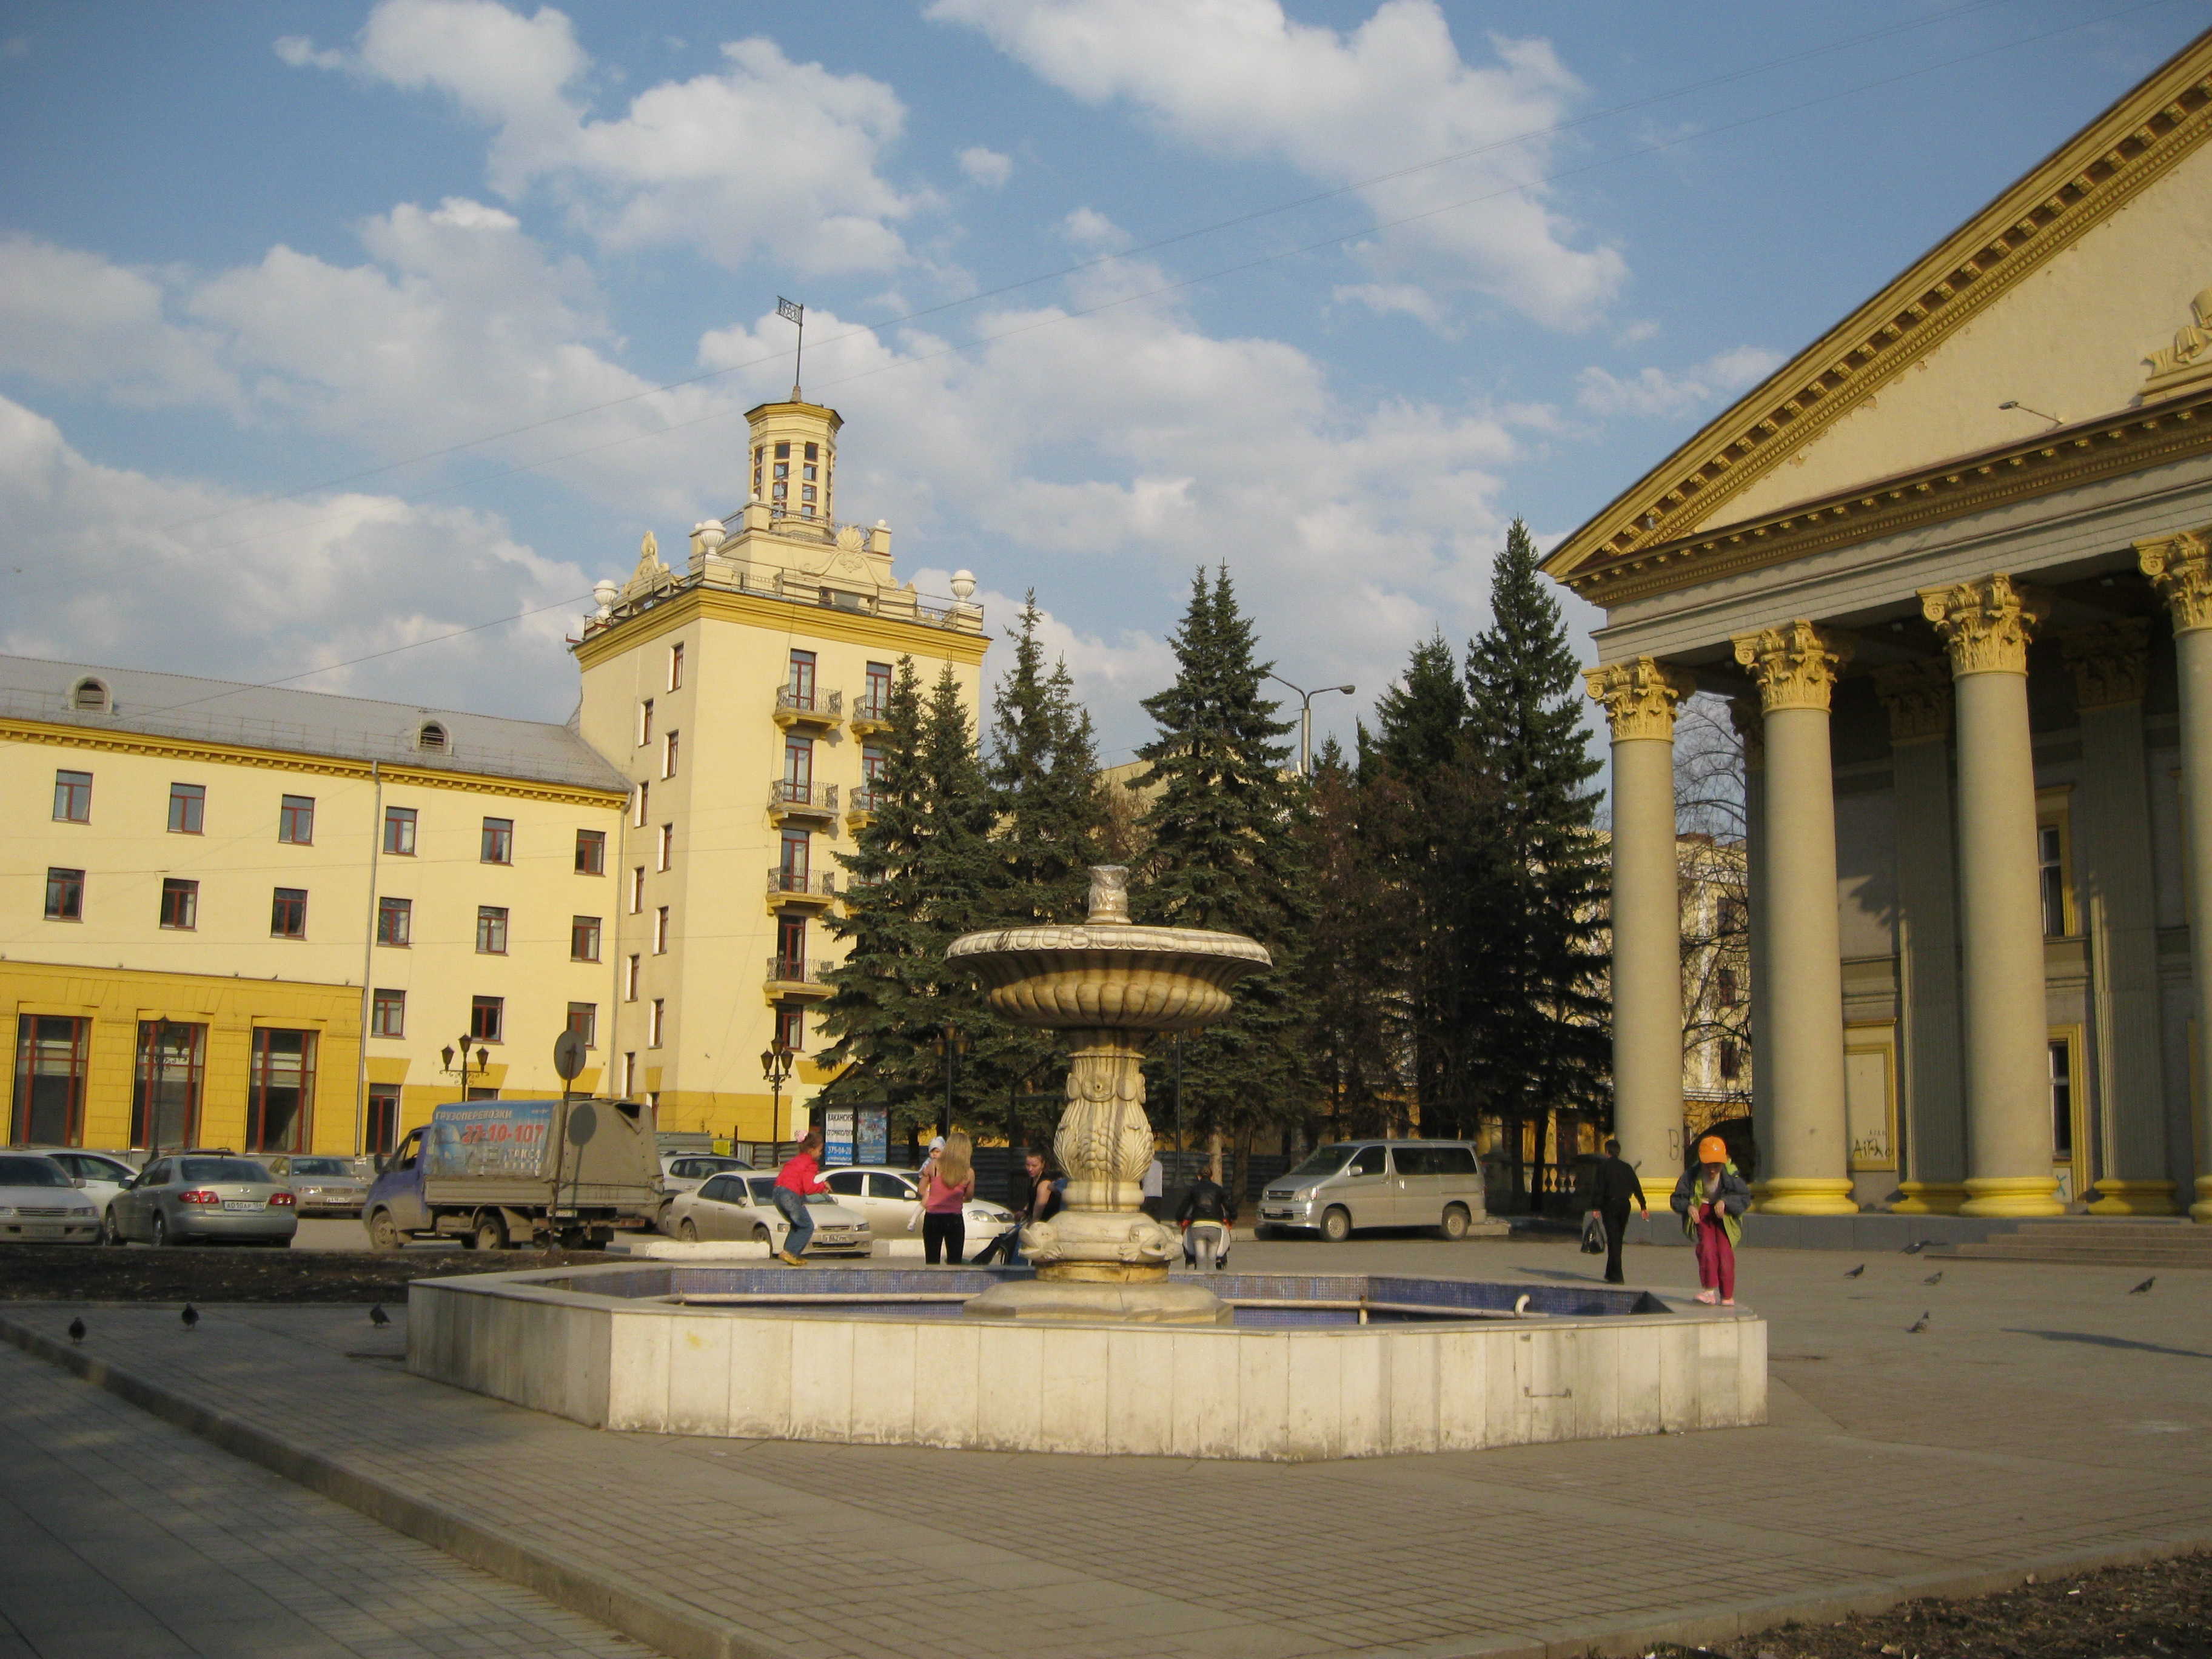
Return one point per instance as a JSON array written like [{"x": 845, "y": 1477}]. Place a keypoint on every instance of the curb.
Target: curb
[
  {"x": 678, "y": 1629},
  {"x": 664, "y": 1623}
]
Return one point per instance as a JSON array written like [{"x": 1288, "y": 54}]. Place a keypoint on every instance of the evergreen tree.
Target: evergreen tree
[
  {"x": 922, "y": 874},
  {"x": 1226, "y": 852},
  {"x": 1537, "y": 1018},
  {"x": 1354, "y": 962}
]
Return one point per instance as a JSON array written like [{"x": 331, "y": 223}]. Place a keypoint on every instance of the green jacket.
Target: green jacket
[{"x": 1733, "y": 1199}]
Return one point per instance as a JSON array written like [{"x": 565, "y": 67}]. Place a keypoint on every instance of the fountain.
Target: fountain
[
  {"x": 1097, "y": 1348},
  {"x": 1105, "y": 985}
]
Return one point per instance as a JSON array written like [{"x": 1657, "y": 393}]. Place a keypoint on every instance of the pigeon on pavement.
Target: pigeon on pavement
[
  {"x": 1917, "y": 1326},
  {"x": 2143, "y": 1289},
  {"x": 1916, "y": 1247},
  {"x": 76, "y": 1330},
  {"x": 192, "y": 1315},
  {"x": 378, "y": 1318},
  {"x": 1857, "y": 1270},
  {"x": 1936, "y": 1278}
]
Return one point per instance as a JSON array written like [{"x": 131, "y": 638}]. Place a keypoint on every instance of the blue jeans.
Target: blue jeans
[{"x": 802, "y": 1224}]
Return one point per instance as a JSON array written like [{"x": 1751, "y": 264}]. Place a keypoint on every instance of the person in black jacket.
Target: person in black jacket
[
  {"x": 1206, "y": 1214},
  {"x": 1614, "y": 1184}
]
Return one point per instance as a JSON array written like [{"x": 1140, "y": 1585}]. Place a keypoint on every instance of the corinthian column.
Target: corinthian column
[
  {"x": 1806, "y": 1167},
  {"x": 1639, "y": 697},
  {"x": 1986, "y": 625},
  {"x": 2180, "y": 568}
]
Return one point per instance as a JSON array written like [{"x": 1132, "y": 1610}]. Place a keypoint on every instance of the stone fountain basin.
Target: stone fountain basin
[
  {"x": 1108, "y": 976},
  {"x": 1316, "y": 1367}
]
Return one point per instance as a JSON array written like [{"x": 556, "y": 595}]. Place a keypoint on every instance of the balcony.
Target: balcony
[
  {"x": 790, "y": 801},
  {"x": 790, "y": 980},
  {"x": 790, "y": 889},
  {"x": 861, "y": 807},
  {"x": 871, "y": 717},
  {"x": 809, "y": 711}
]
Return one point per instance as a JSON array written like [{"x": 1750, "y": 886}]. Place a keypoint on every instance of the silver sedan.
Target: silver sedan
[
  {"x": 40, "y": 1203},
  {"x": 323, "y": 1186},
  {"x": 215, "y": 1197},
  {"x": 738, "y": 1207}
]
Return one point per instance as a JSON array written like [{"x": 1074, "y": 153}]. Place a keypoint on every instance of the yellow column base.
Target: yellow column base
[
  {"x": 2201, "y": 1211},
  {"x": 1929, "y": 1198},
  {"x": 2012, "y": 1197},
  {"x": 2116, "y": 1197},
  {"x": 1805, "y": 1195}
]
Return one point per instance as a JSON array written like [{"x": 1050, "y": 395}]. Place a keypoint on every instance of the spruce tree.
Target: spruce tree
[
  {"x": 1537, "y": 1017},
  {"x": 1354, "y": 962},
  {"x": 1226, "y": 852}
]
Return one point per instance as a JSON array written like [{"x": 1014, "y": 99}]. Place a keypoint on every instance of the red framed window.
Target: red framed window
[
  {"x": 180, "y": 905},
  {"x": 73, "y": 797},
  {"x": 584, "y": 1021},
  {"x": 296, "y": 820},
  {"x": 187, "y": 808},
  {"x": 487, "y": 1018},
  {"x": 591, "y": 852},
  {"x": 584, "y": 939},
  {"x": 395, "y": 922},
  {"x": 287, "y": 913},
  {"x": 382, "y": 1129},
  {"x": 51, "y": 1053},
  {"x": 388, "y": 1014},
  {"x": 166, "y": 1094},
  {"x": 399, "y": 831},
  {"x": 498, "y": 841},
  {"x": 280, "y": 1090}
]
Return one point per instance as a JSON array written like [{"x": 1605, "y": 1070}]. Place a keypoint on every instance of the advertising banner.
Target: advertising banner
[
  {"x": 509, "y": 1138},
  {"x": 875, "y": 1135},
  {"x": 837, "y": 1135}
]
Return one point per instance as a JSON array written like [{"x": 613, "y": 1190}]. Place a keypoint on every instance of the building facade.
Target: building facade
[
  {"x": 283, "y": 920},
  {"x": 1952, "y": 563}
]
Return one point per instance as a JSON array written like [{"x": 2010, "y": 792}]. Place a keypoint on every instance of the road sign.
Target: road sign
[{"x": 568, "y": 1055}]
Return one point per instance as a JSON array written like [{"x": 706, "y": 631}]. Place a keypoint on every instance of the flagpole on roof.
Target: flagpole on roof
[{"x": 794, "y": 312}]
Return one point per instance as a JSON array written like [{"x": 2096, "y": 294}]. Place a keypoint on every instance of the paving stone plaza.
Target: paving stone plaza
[{"x": 2044, "y": 1418}]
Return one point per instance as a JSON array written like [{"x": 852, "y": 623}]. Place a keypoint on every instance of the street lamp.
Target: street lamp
[
  {"x": 775, "y": 1067},
  {"x": 483, "y": 1066},
  {"x": 1305, "y": 718},
  {"x": 950, "y": 1044}
]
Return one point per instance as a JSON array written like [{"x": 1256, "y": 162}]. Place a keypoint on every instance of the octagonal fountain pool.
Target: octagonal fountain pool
[{"x": 1305, "y": 1365}]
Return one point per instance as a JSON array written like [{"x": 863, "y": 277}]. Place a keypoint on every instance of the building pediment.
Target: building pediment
[{"x": 2052, "y": 313}]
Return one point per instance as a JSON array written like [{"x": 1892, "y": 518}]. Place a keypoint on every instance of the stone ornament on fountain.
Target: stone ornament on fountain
[{"x": 1105, "y": 985}]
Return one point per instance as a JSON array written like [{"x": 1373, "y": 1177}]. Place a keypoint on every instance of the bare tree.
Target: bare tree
[{"x": 1712, "y": 851}]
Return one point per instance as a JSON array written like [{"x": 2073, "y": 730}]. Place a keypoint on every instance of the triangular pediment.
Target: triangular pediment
[{"x": 2054, "y": 298}]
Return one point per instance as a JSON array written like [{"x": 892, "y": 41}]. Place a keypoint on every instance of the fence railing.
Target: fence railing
[
  {"x": 789, "y": 793},
  {"x": 797, "y": 881},
  {"x": 788, "y": 970},
  {"x": 829, "y": 703}
]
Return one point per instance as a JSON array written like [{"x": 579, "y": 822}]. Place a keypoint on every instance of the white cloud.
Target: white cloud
[
  {"x": 1402, "y": 297},
  {"x": 1087, "y": 227},
  {"x": 153, "y": 573},
  {"x": 766, "y": 153},
  {"x": 1654, "y": 391},
  {"x": 301, "y": 53},
  {"x": 72, "y": 319},
  {"x": 1240, "y": 79},
  {"x": 987, "y": 168}
]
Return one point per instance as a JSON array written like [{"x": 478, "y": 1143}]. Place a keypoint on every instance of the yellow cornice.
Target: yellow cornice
[
  {"x": 282, "y": 760},
  {"x": 2084, "y": 182},
  {"x": 779, "y": 617},
  {"x": 836, "y": 420},
  {"x": 2061, "y": 459}
]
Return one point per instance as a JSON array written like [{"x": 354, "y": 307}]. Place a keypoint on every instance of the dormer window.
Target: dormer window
[
  {"x": 90, "y": 694},
  {"x": 432, "y": 737}
]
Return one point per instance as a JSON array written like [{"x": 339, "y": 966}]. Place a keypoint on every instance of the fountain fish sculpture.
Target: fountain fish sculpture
[{"x": 1106, "y": 984}]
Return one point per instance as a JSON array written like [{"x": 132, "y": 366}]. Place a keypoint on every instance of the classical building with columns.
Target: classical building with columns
[{"x": 1953, "y": 565}]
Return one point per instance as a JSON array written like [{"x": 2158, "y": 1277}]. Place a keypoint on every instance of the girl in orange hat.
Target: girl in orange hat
[{"x": 1709, "y": 1198}]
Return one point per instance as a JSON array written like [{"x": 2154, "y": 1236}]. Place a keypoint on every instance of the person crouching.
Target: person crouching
[
  {"x": 1709, "y": 1198},
  {"x": 800, "y": 1177}
]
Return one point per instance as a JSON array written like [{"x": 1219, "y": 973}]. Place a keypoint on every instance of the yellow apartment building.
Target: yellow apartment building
[{"x": 237, "y": 916}]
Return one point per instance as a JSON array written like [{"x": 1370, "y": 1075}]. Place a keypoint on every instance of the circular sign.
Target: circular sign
[
  {"x": 583, "y": 1124},
  {"x": 568, "y": 1055}
]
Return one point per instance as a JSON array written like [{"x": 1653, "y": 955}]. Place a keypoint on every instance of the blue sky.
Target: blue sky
[{"x": 247, "y": 252}]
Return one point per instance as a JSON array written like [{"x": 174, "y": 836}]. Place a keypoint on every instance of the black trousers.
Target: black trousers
[
  {"x": 943, "y": 1234},
  {"x": 1616, "y": 1226}
]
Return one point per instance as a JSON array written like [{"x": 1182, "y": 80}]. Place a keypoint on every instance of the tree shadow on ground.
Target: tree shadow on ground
[{"x": 2095, "y": 1342}]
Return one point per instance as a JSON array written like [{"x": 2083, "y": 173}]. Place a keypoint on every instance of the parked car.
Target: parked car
[
  {"x": 681, "y": 1172},
  {"x": 1378, "y": 1183},
  {"x": 325, "y": 1186},
  {"x": 40, "y": 1203},
  {"x": 741, "y": 1206},
  {"x": 888, "y": 1199},
  {"x": 214, "y": 1197},
  {"x": 99, "y": 1175}
]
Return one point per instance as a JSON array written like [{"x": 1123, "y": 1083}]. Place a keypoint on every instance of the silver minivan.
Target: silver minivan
[{"x": 1379, "y": 1183}]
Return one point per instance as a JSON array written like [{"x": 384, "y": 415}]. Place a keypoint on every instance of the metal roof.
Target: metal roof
[{"x": 186, "y": 707}]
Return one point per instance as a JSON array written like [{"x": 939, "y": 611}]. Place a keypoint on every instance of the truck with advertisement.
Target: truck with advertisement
[{"x": 493, "y": 1173}]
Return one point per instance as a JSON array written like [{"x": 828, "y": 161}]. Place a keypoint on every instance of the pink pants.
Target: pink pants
[{"x": 1716, "y": 1258}]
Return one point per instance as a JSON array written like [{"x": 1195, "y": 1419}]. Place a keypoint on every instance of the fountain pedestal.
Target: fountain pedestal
[{"x": 1103, "y": 984}]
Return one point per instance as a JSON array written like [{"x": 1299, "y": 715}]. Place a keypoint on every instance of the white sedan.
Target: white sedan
[
  {"x": 98, "y": 1175},
  {"x": 40, "y": 1203},
  {"x": 742, "y": 1207},
  {"x": 889, "y": 1200}
]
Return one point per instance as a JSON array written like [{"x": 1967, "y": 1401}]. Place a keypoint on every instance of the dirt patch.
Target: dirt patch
[
  {"x": 61, "y": 1273},
  {"x": 2159, "y": 1611}
]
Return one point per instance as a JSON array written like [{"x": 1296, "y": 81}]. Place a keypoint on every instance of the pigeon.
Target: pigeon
[
  {"x": 1936, "y": 1278},
  {"x": 378, "y": 1318},
  {"x": 76, "y": 1330},
  {"x": 1916, "y": 1247},
  {"x": 192, "y": 1315},
  {"x": 1857, "y": 1270},
  {"x": 1917, "y": 1326},
  {"x": 2143, "y": 1289}
]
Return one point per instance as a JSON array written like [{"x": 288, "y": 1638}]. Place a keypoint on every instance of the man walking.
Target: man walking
[{"x": 1613, "y": 1185}]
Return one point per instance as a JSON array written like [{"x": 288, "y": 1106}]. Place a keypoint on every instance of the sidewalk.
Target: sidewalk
[{"x": 2046, "y": 1418}]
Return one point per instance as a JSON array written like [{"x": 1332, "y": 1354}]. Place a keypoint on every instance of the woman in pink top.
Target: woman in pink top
[{"x": 946, "y": 1186}]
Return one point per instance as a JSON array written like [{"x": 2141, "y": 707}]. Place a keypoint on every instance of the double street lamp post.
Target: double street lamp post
[
  {"x": 482, "y": 1065},
  {"x": 1305, "y": 718}
]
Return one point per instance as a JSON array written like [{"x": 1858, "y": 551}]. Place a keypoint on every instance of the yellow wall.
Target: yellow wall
[{"x": 126, "y": 850}]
